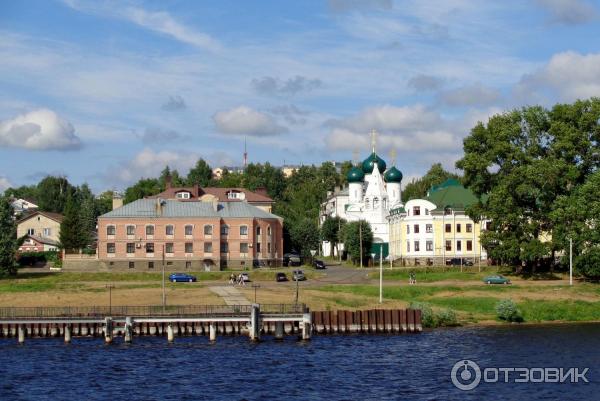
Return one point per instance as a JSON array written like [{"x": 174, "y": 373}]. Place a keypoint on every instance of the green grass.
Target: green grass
[
  {"x": 478, "y": 305},
  {"x": 540, "y": 311},
  {"x": 433, "y": 274}
]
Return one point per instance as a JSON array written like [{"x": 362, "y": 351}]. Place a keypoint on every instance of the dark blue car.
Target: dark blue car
[{"x": 181, "y": 277}]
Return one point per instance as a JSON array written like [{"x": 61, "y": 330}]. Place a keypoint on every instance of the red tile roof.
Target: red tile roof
[
  {"x": 196, "y": 192},
  {"x": 53, "y": 216}
]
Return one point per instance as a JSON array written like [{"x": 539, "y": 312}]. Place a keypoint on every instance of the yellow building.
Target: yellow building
[{"x": 436, "y": 230}]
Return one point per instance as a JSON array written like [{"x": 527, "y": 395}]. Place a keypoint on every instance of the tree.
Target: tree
[
  {"x": 142, "y": 188},
  {"x": 22, "y": 192},
  {"x": 305, "y": 236},
  {"x": 8, "y": 238},
  {"x": 52, "y": 193},
  {"x": 230, "y": 179},
  {"x": 104, "y": 202},
  {"x": 524, "y": 160},
  {"x": 70, "y": 228},
  {"x": 331, "y": 230},
  {"x": 346, "y": 167},
  {"x": 418, "y": 188},
  {"x": 200, "y": 174},
  {"x": 351, "y": 236},
  {"x": 86, "y": 215}
]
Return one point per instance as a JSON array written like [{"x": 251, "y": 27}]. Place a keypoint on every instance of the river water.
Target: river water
[{"x": 342, "y": 367}]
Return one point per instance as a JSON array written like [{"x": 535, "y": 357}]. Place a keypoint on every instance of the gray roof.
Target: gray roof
[{"x": 176, "y": 208}]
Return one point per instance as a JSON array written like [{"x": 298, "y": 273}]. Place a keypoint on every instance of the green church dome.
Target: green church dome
[
  {"x": 393, "y": 175},
  {"x": 370, "y": 161},
  {"x": 355, "y": 175}
]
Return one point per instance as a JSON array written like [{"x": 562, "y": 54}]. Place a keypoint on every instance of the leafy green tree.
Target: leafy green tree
[
  {"x": 230, "y": 179},
  {"x": 173, "y": 175},
  {"x": 267, "y": 176},
  {"x": 8, "y": 238},
  {"x": 305, "y": 236},
  {"x": 144, "y": 187},
  {"x": 331, "y": 230},
  {"x": 351, "y": 236},
  {"x": 418, "y": 188},
  {"x": 70, "y": 227},
  {"x": 104, "y": 203},
  {"x": 577, "y": 217},
  {"x": 200, "y": 174},
  {"x": 22, "y": 192},
  {"x": 52, "y": 193},
  {"x": 524, "y": 160},
  {"x": 87, "y": 215},
  {"x": 346, "y": 167}
]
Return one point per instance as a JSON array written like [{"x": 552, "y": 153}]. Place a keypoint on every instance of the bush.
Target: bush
[
  {"x": 446, "y": 317},
  {"x": 507, "y": 310},
  {"x": 429, "y": 318}
]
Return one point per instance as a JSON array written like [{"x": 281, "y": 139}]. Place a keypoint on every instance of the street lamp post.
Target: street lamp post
[
  {"x": 164, "y": 295},
  {"x": 255, "y": 286},
  {"x": 110, "y": 287},
  {"x": 360, "y": 239},
  {"x": 570, "y": 261},
  {"x": 381, "y": 274}
]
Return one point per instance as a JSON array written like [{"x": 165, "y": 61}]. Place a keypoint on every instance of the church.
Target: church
[{"x": 373, "y": 190}]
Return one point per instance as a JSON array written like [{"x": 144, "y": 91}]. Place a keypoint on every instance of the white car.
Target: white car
[{"x": 245, "y": 277}]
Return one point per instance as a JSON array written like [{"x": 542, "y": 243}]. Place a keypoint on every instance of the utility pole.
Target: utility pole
[
  {"x": 255, "y": 286},
  {"x": 570, "y": 261},
  {"x": 360, "y": 238},
  {"x": 164, "y": 295},
  {"x": 296, "y": 301},
  {"x": 381, "y": 274},
  {"x": 338, "y": 241}
]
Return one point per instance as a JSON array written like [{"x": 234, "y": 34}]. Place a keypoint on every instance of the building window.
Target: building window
[
  {"x": 224, "y": 229},
  {"x": 258, "y": 231},
  {"x": 458, "y": 246},
  {"x": 110, "y": 230},
  {"x": 407, "y": 246},
  {"x": 384, "y": 203},
  {"x": 169, "y": 230},
  {"x": 448, "y": 245},
  {"x": 429, "y": 246},
  {"x": 416, "y": 229},
  {"x": 448, "y": 228},
  {"x": 110, "y": 247},
  {"x": 268, "y": 230},
  {"x": 183, "y": 195},
  {"x": 447, "y": 211},
  {"x": 407, "y": 229},
  {"x": 207, "y": 230},
  {"x": 268, "y": 247},
  {"x": 30, "y": 231},
  {"x": 375, "y": 203},
  {"x": 149, "y": 247},
  {"x": 416, "y": 211},
  {"x": 243, "y": 247},
  {"x": 488, "y": 225},
  {"x": 47, "y": 232},
  {"x": 208, "y": 247},
  {"x": 469, "y": 245},
  {"x": 427, "y": 212},
  {"x": 258, "y": 247},
  {"x": 469, "y": 228},
  {"x": 188, "y": 264},
  {"x": 189, "y": 229},
  {"x": 224, "y": 247},
  {"x": 149, "y": 230},
  {"x": 243, "y": 230},
  {"x": 428, "y": 228},
  {"x": 189, "y": 247},
  {"x": 131, "y": 265},
  {"x": 130, "y": 247},
  {"x": 169, "y": 247},
  {"x": 130, "y": 230},
  {"x": 417, "y": 246},
  {"x": 150, "y": 265},
  {"x": 458, "y": 228},
  {"x": 367, "y": 204}
]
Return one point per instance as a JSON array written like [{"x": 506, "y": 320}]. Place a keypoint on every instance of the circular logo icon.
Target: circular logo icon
[{"x": 465, "y": 375}]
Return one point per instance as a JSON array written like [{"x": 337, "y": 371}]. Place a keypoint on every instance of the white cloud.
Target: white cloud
[
  {"x": 470, "y": 95},
  {"x": 566, "y": 77},
  {"x": 4, "y": 184},
  {"x": 157, "y": 21},
  {"x": 149, "y": 163},
  {"x": 391, "y": 119},
  {"x": 40, "y": 129},
  {"x": 569, "y": 12},
  {"x": 243, "y": 120}
]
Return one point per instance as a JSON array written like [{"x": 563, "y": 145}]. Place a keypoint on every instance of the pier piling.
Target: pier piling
[
  {"x": 212, "y": 329},
  {"x": 67, "y": 333},
  {"x": 21, "y": 334},
  {"x": 170, "y": 333}
]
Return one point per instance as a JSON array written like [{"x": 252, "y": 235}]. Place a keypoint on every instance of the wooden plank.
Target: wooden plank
[
  {"x": 327, "y": 321},
  {"x": 387, "y": 319},
  {"x": 403, "y": 325},
  {"x": 418, "y": 324},
  {"x": 380, "y": 321},
  {"x": 395, "y": 320},
  {"x": 334, "y": 322},
  {"x": 410, "y": 320},
  {"x": 373, "y": 320}
]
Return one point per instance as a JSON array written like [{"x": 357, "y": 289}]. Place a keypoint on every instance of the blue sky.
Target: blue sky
[{"x": 106, "y": 92}]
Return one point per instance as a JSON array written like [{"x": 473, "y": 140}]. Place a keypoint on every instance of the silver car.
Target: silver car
[{"x": 298, "y": 275}]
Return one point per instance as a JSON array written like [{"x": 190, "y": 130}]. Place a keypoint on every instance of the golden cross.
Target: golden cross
[
  {"x": 393, "y": 155},
  {"x": 373, "y": 139}
]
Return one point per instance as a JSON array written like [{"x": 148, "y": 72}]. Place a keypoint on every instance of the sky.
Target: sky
[{"x": 107, "y": 92}]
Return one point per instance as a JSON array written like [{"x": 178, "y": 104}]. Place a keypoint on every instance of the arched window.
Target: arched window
[
  {"x": 367, "y": 204},
  {"x": 384, "y": 203},
  {"x": 375, "y": 203},
  {"x": 224, "y": 229}
]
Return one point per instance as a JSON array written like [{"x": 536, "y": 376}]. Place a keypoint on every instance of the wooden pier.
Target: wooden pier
[{"x": 209, "y": 320}]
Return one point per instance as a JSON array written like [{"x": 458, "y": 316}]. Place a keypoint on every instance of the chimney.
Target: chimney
[
  {"x": 196, "y": 193},
  {"x": 215, "y": 204},
  {"x": 117, "y": 201},
  {"x": 168, "y": 181},
  {"x": 160, "y": 205}
]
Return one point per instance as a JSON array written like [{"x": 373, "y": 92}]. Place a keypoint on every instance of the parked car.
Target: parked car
[
  {"x": 181, "y": 277},
  {"x": 245, "y": 277},
  {"x": 498, "y": 279},
  {"x": 256, "y": 263},
  {"x": 280, "y": 277},
  {"x": 319, "y": 264},
  {"x": 292, "y": 259},
  {"x": 298, "y": 275},
  {"x": 459, "y": 262}
]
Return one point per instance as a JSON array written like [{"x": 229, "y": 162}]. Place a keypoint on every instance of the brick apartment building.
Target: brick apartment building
[{"x": 190, "y": 234}]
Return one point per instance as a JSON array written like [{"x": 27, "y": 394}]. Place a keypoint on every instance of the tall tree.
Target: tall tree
[
  {"x": 52, "y": 193},
  {"x": 8, "y": 238},
  {"x": 200, "y": 174},
  {"x": 351, "y": 235},
  {"x": 305, "y": 236},
  {"x": 142, "y": 188},
  {"x": 87, "y": 215},
  {"x": 331, "y": 230},
  {"x": 70, "y": 227},
  {"x": 418, "y": 188}
]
